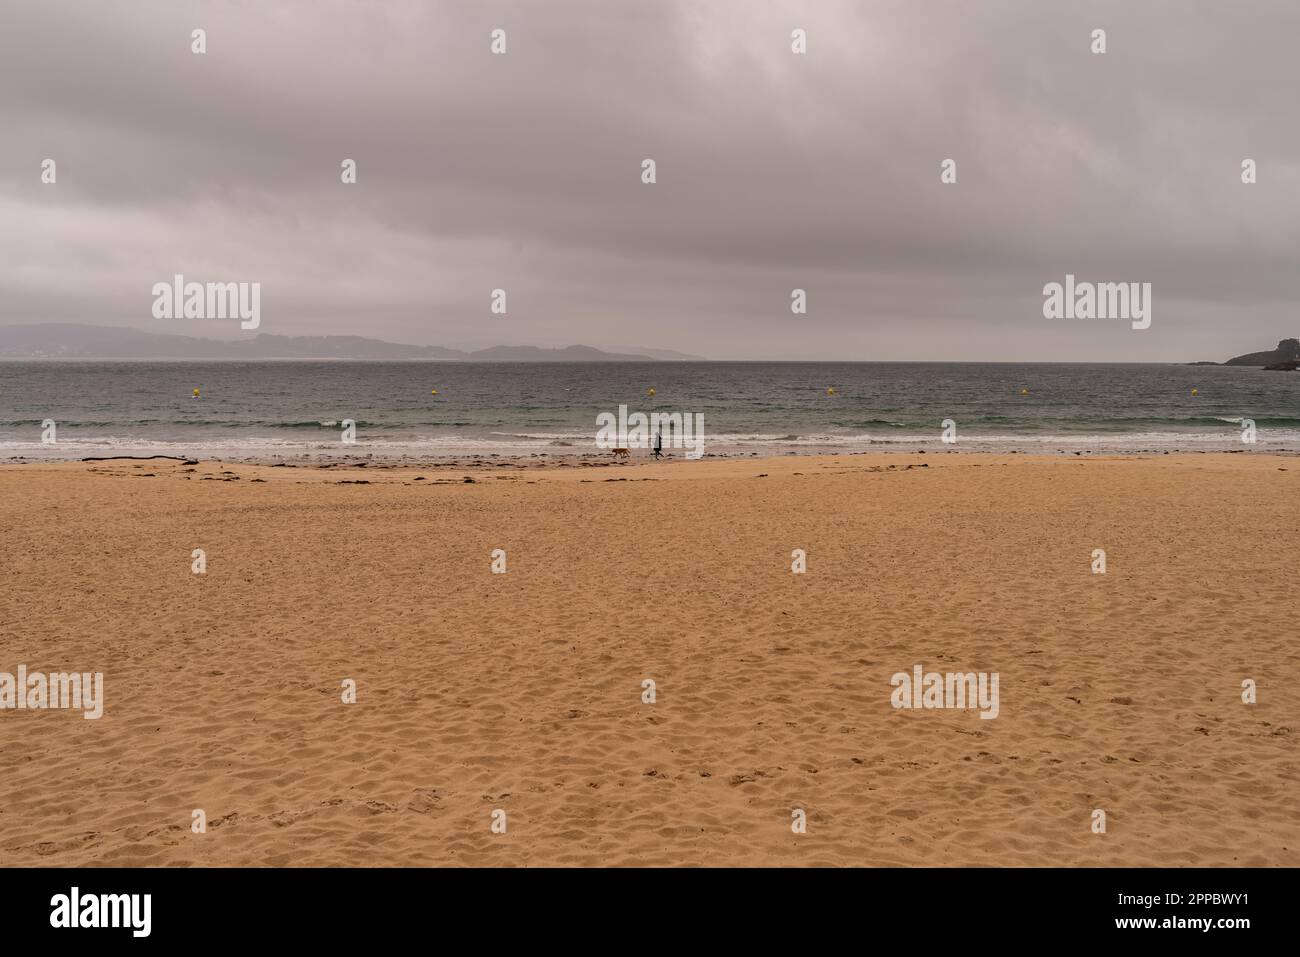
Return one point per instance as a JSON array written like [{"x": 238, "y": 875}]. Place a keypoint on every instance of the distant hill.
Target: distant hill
[
  {"x": 568, "y": 354},
  {"x": 671, "y": 355},
  {"x": 70, "y": 340},
  {"x": 1288, "y": 350}
]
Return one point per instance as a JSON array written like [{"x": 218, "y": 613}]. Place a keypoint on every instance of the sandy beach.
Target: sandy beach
[{"x": 523, "y": 692}]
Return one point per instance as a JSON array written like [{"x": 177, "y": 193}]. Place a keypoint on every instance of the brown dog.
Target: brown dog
[{"x": 621, "y": 453}]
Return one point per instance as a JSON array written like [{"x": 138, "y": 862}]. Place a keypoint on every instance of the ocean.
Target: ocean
[{"x": 290, "y": 411}]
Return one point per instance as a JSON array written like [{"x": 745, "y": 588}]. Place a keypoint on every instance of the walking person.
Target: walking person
[{"x": 659, "y": 443}]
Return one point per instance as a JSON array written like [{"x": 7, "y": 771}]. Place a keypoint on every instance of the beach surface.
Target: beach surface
[{"x": 524, "y": 692}]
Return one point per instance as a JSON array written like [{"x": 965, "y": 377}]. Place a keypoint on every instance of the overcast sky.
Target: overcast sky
[{"x": 775, "y": 171}]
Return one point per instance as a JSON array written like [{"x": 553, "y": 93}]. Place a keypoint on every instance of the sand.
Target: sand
[{"x": 523, "y": 691}]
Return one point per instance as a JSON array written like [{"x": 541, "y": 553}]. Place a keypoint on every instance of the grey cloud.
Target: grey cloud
[{"x": 775, "y": 171}]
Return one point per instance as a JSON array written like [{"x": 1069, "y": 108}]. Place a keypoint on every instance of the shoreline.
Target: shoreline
[{"x": 598, "y": 459}]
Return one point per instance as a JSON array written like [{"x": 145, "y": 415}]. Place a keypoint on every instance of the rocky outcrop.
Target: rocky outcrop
[{"x": 1288, "y": 350}]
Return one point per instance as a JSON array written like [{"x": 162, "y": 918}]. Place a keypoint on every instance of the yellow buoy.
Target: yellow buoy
[
  {"x": 1024, "y": 392},
  {"x": 196, "y": 393},
  {"x": 649, "y": 391},
  {"x": 1194, "y": 392},
  {"x": 830, "y": 390},
  {"x": 433, "y": 392}
]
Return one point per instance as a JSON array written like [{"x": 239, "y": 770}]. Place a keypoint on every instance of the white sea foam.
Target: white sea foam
[{"x": 561, "y": 444}]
